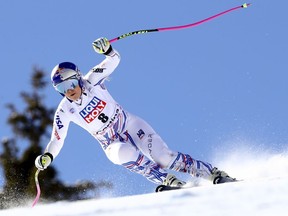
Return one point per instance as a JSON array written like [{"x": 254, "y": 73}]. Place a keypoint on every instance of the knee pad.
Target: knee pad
[{"x": 120, "y": 153}]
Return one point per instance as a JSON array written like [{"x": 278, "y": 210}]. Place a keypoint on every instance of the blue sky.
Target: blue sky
[{"x": 205, "y": 90}]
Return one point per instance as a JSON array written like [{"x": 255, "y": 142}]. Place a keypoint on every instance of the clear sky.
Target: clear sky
[{"x": 205, "y": 90}]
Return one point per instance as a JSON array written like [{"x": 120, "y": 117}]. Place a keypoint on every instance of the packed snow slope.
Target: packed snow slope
[
  {"x": 263, "y": 192},
  {"x": 261, "y": 197}
]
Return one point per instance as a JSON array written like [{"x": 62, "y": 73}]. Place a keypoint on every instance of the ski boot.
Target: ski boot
[
  {"x": 219, "y": 177},
  {"x": 170, "y": 183}
]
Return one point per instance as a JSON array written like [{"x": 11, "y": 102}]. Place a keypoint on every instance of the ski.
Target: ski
[{"x": 162, "y": 188}]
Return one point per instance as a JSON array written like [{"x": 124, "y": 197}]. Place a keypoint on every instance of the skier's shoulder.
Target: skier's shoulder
[
  {"x": 63, "y": 106},
  {"x": 90, "y": 81},
  {"x": 101, "y": 71},
  {"x": 94, "y": 74}
]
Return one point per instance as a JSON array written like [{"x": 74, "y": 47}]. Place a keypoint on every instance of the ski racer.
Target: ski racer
[{"x": 126, "y": 139}]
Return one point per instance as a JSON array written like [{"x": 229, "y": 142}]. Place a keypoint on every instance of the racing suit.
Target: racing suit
[{"x": 126, "y": 139}]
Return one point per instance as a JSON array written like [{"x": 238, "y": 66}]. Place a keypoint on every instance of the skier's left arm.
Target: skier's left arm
[{"x": 101, "y": 71}]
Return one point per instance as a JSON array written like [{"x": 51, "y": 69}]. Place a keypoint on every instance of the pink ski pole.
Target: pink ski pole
[
  {"x": 38, "y": 189},
  {"x": 178, "y": 27}
]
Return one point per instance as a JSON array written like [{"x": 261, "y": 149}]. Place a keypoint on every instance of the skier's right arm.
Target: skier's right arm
[
  {"x": 59, "y": 132},
  {"x": 100, "y": 72}
]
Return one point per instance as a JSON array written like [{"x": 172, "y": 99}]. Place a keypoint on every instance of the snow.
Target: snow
[
  {"x": 263, "y": 192},
  {"x": 259, "y": 197}
]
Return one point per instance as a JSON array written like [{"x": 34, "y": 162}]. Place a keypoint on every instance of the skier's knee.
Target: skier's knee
[
  {"x": 158, "y": 150},
  {"x": 120, "y": 153},
  {"x": 165, "y": 157}
]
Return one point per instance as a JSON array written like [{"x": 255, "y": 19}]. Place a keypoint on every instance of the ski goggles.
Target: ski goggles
[{"x": 64, "y": 86}]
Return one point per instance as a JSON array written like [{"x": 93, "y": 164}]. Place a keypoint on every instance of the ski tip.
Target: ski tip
[{"x": 245, "y": 5}]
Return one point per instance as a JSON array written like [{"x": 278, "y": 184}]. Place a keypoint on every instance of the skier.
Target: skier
[{"x": 126, "y": 139}]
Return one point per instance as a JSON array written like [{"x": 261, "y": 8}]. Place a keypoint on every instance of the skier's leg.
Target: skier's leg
[
  {"x": 130, "y": 157},
  {"x": 197, "y": 168},
  {"x": 142, "y": 135}
]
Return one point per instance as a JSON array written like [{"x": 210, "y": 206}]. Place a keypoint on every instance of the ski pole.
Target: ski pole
[
  {"x": 38, "y": 188},
  {"x": 178, "y": 27}
]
